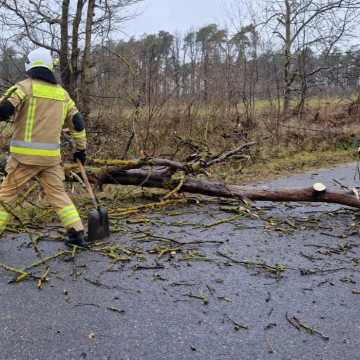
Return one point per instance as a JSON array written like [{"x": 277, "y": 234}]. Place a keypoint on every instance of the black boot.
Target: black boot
[{"x": 76, "y": 238}]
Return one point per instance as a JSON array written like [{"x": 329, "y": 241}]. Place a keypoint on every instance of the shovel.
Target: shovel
[{"x": 98, "y": 220}]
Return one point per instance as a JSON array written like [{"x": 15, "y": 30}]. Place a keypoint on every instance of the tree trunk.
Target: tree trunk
[
  {"x": 64, "y": 50},
  {"x": 75, "y": 52},
  {"x": 86, "y": 61},
  {"x": 162, "y": 179},
  {"x": 287, "y": 53}
]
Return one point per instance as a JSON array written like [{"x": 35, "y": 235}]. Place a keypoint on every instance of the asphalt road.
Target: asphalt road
[{"x": 280, "y": 282}]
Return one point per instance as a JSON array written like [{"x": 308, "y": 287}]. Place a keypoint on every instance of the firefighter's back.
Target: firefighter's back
[{"x": 38, "y": 122}]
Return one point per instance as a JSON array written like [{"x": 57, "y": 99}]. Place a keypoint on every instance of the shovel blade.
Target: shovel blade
[{"x": 98, "y": 224}]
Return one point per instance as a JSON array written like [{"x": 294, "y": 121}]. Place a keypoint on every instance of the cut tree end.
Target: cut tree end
[{"x": 319, "y": 187}]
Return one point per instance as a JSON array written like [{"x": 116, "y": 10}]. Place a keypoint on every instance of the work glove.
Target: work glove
[{"x": 80, "y": 155}]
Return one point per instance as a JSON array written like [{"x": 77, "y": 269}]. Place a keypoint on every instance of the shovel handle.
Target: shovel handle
[{"x": 87, "y": 183}]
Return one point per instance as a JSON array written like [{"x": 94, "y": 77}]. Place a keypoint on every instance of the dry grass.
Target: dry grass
[
  {"x": 283, "y": 165},
  {"x": 327, "y": 123},
  {"x": 326, "y": 133}
]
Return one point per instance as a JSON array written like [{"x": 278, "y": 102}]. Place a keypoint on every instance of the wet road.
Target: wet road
[{"x": 274, "y": 283}]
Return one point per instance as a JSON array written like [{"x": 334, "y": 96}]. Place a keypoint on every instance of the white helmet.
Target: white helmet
[{"x": 39, "y": 58}]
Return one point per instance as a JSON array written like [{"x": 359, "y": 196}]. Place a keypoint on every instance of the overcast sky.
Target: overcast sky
[{"x": 176, "y": 15}]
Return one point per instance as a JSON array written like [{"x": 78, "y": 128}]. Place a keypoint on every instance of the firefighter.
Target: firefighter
[{"x": 40, "y": 108}]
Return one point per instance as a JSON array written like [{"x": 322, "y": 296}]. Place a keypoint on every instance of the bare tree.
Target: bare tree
[
  {"x": 69, "y": 30},
  {"x": 299, "y": 24}
]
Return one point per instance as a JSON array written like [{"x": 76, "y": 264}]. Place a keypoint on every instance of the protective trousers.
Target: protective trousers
[{"x": 51, "y": 180}]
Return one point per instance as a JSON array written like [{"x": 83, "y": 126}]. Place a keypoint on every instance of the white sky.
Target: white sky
[{"x": 176, "y": 15}]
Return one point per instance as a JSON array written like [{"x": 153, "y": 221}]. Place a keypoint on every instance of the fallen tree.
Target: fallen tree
[
  {"x": 161, "y": 179},
  {"x": 182, "y": 177}
]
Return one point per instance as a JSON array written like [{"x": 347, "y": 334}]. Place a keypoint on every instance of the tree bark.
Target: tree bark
[
  {"x": 64, "y": 50},
  {"x": 162, "y": 179},
  {"x": 287, "y": 65},
  {"x": 75, "y": 52},
  {"x": 86, "y": 61}
]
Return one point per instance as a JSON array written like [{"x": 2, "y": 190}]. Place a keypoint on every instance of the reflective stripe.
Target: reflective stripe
[
  {"x": 38, "y": 62},
  {"x": 41, "y": 63},
  {"x": 4, "y": 215},
  {"x": 37, "y": 146},
  {"x": 36, "y": 149},
  {"x": 48, "y": 92},
  {"x": 15, "y": 90},
  {"x": 69, "y": 215},
  {"x": 70, "y": 105},
  {"x": 20, "y": 94},
  {"x": 30, "y": 120},
  {"x": 32, "y": 152},
  {"x": 79, "y": 134},
  {"x": 40, "y": 91},
  {"x": 10, "y": 90},
  {"x": 4, "y": 220},
  {"x": 72, "y": 221},
  {"x": 64, "y": 113},
  {"x": 66, "y": 209}
]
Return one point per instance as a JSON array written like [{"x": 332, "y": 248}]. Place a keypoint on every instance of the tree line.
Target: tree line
[
  {"x": 210, "y": 65},
  {"x": 286, "y": 52}
]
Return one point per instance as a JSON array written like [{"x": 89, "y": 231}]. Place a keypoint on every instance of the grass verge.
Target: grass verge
[{"x": 285, "y": 164}]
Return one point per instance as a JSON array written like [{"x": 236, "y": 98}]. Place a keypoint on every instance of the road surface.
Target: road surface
[{"x": 278, "y": 282}]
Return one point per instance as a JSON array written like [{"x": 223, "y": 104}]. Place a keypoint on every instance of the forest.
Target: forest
[{"x": 283, "y": 79}]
